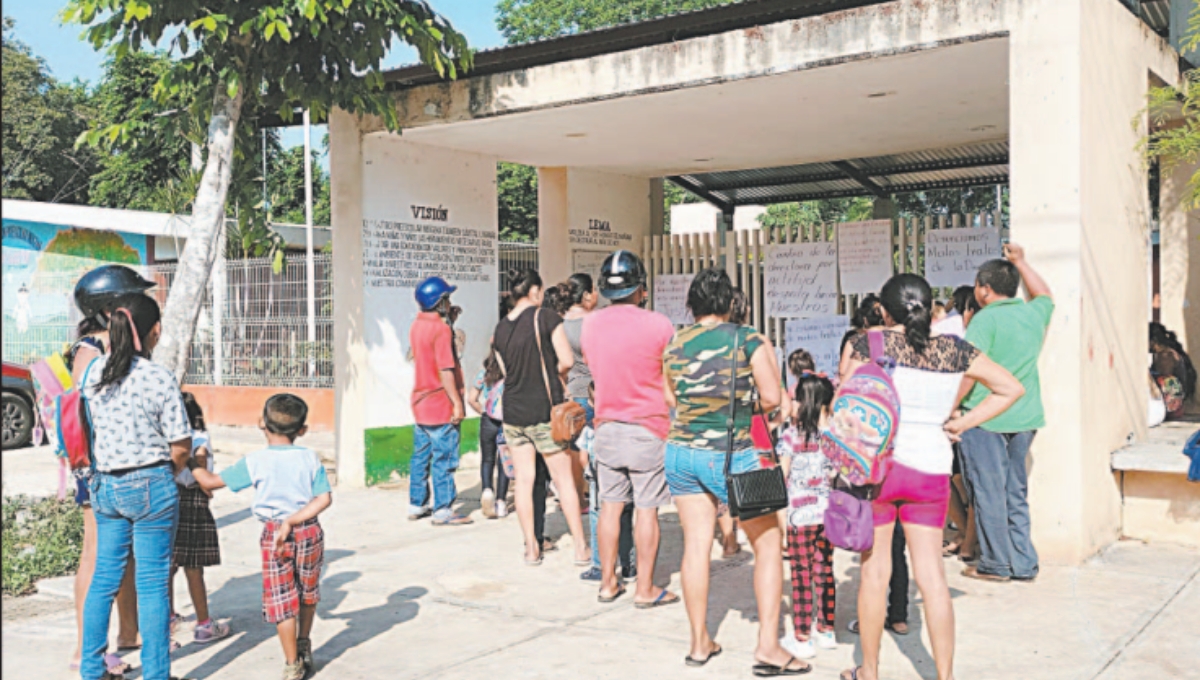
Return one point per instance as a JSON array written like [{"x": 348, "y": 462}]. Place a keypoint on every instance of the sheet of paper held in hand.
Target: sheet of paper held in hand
[
  {"x": 670, "y": 297},
  {"x": 952, "y": 256},
  {"x": 801, "y": 280}
]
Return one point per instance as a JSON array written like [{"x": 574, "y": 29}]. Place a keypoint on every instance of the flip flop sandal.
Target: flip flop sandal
[
  {"x": 696, "y": 663},
  {"x": 892, "y": 627},
  {"x": 769, "y": 670},
  {"x": 548, "y": 546},
  {"x": 609, "y": 599},
  {"x": 664, "y": 598},
  {"x": 853, "y": 673}
]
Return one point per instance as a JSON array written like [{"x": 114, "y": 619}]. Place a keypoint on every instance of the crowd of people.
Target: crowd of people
[
  {"x": 668, "y": 413},
  {"x": 616, "y": 413}
]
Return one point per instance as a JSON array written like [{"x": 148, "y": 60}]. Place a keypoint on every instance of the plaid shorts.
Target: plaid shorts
[{"x": 292, "y": 577}]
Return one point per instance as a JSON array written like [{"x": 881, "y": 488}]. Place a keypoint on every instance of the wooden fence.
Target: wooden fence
[{"x": 744, "y": 255}]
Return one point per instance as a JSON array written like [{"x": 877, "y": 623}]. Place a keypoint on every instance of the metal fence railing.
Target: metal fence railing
[
  {"x": 515, "y": 255},
  {"x": 259, "y": 339}
]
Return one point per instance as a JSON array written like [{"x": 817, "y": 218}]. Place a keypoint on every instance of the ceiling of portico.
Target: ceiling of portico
[{"x": 939, "y": 97}]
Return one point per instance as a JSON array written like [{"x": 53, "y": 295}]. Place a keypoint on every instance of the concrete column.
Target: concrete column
[
  {"x": 658, "y": 207},
  {"x": 1078, "y": 75},
  {"x": 351, "y": 373},
  {"x": 1179, "y": 258},
  {"x": 583, "y": 216}
]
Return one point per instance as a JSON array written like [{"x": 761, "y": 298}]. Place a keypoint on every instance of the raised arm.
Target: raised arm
[{"x": 1035, "y": 285}]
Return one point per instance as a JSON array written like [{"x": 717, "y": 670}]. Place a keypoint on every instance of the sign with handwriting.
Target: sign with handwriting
[
  {"x": 670, "y": 297},
  {"x": 801, "y": 279},
  {"x": 821, "y": 337},
  {"x": 952, "y": 256},
  {"x": 864, "y": 255}
]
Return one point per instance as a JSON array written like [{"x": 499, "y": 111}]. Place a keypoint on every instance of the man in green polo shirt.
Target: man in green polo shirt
[{"x": 1010, "y": 331}]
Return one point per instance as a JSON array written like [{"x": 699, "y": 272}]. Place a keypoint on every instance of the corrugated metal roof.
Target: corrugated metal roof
[{"x": 974, "y": 165}]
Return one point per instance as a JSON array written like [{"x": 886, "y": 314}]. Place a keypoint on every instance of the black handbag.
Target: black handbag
[{"x": 757, "y": 492}]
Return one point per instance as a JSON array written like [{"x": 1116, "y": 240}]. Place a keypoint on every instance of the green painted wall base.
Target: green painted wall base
[{"x": 390, "y": 449}]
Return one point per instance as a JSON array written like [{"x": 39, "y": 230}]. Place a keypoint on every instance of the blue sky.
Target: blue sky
[{"x": 68, "y": 57}]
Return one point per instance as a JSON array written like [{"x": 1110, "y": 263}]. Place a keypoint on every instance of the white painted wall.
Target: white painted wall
[
  {"x": 398, "y": 175},
  {"x": 701, "y": 218}
]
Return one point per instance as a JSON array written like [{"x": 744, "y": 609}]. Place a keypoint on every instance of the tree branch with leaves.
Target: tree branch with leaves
[{"x": 274, "y": 55}]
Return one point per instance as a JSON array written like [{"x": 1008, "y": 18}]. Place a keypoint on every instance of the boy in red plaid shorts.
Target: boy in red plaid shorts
[{"x": 290, "y": 490}]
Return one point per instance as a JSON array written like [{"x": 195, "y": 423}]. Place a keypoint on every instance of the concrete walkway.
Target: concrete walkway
[{"x": 409, "y": 600}]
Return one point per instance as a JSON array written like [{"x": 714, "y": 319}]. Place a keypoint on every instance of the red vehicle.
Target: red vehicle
[{"x": 19, "y": 398}]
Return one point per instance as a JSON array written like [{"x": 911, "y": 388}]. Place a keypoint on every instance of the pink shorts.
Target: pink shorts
[{"x": 919, "y": 498}]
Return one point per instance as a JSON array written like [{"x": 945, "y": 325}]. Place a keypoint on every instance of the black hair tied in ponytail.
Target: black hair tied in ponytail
[
  {"x": 909, "y": 301},
  {"x": 133, "y": 317}
]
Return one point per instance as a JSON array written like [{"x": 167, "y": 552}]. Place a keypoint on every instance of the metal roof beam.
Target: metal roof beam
[
  {"x": 690, "y": 184},
  {"x": 900, "y": 189},
  {"x": 901, "y": 169},
  {"x": 854, "y": 174}
]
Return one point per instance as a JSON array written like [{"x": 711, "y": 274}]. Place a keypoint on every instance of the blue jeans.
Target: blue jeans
[
  {"x": 435, "y": 453},
  {"x": 995, "y": 471},
  {"x": 695, "y": 471},
  {"x": 137, "y": 510}
]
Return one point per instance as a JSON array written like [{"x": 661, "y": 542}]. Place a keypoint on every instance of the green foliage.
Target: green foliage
[
  {"x": 41, "y": 119},
  {"x": 812, "y": 213},
  {"x": 286, "y": 188},
  {"x": 1174, "y": 136},
  {"x": 522, "y": 21},
  {"x": 516, "y": 187},
  {"x": 42, "y": 539},
  {"x": 281, "y": 55}
]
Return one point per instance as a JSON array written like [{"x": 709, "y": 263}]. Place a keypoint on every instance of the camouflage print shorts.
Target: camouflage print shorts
[{"x": 536, "y": 435}]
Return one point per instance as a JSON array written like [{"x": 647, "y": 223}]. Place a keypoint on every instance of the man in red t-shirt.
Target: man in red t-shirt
[{"x": 437, "y": 405}]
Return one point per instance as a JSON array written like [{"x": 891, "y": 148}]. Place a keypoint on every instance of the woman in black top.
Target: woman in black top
[{"x": 535, "y": 356}]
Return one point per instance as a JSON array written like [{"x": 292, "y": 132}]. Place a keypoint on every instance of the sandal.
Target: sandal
[
  {"x": 609, "y": 599},
  {"x": 770, "y": 670},
  {"x": 951, "y": 548},
  {"x": 696, "y": 663},
  {"x": 664, "y": 598},
  {"x": 853, "y": 673},
  {"x": 973, "y": 572},
  {"x": 895, "y": 627}
]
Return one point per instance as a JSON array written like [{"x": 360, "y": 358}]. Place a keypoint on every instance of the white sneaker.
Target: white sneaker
[
  {"x": 501, "y": 509},
  {"x": 488, "y": 503},
  {"x": 825, "y": 640},
  {"x": 798, "y": 649}
]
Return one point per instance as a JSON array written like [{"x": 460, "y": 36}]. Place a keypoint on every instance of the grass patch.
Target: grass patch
[{"x": 42, "y": 539}]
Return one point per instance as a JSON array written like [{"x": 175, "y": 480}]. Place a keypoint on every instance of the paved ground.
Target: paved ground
[{"x": 409, "y": 600}]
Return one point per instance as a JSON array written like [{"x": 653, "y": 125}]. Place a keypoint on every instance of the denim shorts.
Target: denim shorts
[{"x": 695, "y": 471}]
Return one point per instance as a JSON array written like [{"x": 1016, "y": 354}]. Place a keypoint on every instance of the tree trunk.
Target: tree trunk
[{"x": 196, "y": 261}]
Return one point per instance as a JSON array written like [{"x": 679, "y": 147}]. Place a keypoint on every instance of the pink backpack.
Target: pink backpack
[
  {"x": 73, "y": 425},
  {"x": 864, "y": 418}
]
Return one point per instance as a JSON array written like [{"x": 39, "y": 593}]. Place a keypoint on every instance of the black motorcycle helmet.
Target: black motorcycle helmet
[
  {"x": 99, "y": 288},
  {"x": 621, "y": 275}
]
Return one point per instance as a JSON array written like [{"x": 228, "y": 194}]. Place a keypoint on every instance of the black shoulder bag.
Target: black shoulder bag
[{"x": 757, "y": 492}]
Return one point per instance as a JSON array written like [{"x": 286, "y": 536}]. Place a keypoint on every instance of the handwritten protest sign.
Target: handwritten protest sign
[
  {"x": 864, "y": 255},
  {"x": 821, "y": 337},
  {"x": 952, "y": 256},
  {"x": 670, "y": 297},
  {"x": 802, "y": 279}
]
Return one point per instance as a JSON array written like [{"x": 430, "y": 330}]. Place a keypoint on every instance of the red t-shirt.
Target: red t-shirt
[
  {"x": 432, "y": 342},
  {"x": 623, "y": 346}
]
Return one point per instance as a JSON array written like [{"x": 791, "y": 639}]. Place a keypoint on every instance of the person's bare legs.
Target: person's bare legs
[
  {"x": 287, "y": 638},
  {"x": 608, "y": 535},
  {"x": 924, "y": 545},
  {"x": 83, "y": 577},
  {"x": 958, "y": 514},
  {"x": 559, "y": 465},
  {"x": 308, "y": 612},
  {"x": 199, "y": 593},
  {"x": 127, "y": 609},
  {"x": 763, "y": 533},
  {"x": 697, "y": 517},
  {"x": 646, "y": 535},
  {"x": 525, "y": 467},
  {"x": 729, "y": 540},
  {"x": 579, "y": 462},
  {"x": 872, "y": 598}
]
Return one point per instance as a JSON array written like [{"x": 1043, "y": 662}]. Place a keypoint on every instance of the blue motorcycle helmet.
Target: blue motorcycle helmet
[{"x": 431, "y": 291}]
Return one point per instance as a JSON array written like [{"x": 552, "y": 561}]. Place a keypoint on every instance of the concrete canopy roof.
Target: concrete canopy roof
[{"x": 950, "y": 95}]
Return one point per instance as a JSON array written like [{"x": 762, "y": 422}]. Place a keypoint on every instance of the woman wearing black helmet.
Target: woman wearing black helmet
[{"x": 95, "y": 295}]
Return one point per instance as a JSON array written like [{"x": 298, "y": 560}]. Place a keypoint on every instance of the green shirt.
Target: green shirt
[
  {"x": 697, "y": 363},
  {"x": 1010, "y": 332}
]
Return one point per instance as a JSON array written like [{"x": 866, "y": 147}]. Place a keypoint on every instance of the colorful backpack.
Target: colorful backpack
[
  {"x": 1172, "y": 391},
  {"x": 73, "y": 425},
  {"x": 865, "y": 415}
]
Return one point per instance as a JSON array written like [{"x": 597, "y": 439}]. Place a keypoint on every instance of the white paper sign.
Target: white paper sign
[
  {"x": 670, "y": 297},
  {"x": 802, "y": 280},
  {"x": 821, "y": 337},
  {"x": 864, "y": 255},
  {"x": 952, "y": 256}
]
